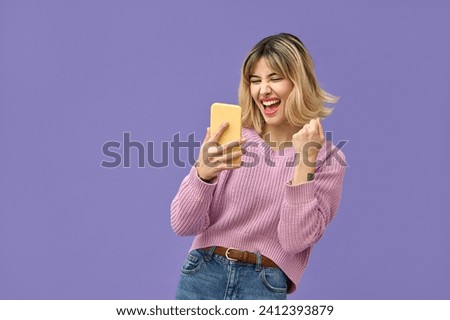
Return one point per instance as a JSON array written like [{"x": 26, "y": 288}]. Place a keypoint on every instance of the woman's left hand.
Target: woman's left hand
[{"x": 309, "y": 139}]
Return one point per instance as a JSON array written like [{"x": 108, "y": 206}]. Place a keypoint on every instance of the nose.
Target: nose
[{"x": 265, "y": 88}]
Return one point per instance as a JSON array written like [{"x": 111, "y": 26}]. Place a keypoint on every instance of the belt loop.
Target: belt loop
[
  {"x": 209, "y": 253},
  {"x": 258, "y": 262}
]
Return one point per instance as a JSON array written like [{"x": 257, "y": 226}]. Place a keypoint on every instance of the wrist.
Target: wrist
[
  {"x": 308, "y": 161},
  {"x": 312, "y": 155},
  {"x": 205, "y": 179}
]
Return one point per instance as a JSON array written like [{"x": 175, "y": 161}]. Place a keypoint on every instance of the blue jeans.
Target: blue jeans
[{"x": 206, "y": 275}]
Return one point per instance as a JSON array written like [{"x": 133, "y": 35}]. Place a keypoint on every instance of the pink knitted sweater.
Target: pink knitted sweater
[{"x": 254, "y": 208}]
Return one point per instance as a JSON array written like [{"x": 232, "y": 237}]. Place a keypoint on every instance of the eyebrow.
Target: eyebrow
[{"x": 270, "y": 75}]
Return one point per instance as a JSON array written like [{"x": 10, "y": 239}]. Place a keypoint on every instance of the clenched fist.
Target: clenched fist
[{"x": 308, "y": 140}]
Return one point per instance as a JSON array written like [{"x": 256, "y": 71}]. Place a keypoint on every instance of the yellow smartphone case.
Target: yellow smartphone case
[{"x": 231, "y": 113}]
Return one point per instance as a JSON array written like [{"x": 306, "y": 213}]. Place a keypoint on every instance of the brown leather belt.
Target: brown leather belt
[{"x": 244, "y": 256}]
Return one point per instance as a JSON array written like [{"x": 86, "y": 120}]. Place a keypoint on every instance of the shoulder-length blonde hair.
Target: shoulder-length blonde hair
[{"x": 286, "y": 55}]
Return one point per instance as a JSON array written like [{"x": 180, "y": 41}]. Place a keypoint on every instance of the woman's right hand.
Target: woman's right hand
[{"x": 214, "y": 158}]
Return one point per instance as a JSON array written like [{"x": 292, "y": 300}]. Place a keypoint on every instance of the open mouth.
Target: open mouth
[{"x": 270, "y": 106}]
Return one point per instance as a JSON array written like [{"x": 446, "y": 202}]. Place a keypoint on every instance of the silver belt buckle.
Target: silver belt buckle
[{"x": 226, "y": 254}]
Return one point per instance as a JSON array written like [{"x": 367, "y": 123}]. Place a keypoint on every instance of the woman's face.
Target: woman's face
[{"x": 270, "y": 91}]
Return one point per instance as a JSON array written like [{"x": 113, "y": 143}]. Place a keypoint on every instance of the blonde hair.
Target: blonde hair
[{"x": 286, "y": 55}]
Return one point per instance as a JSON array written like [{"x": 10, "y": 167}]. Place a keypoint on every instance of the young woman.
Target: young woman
[{"x": 255, "y": 222}]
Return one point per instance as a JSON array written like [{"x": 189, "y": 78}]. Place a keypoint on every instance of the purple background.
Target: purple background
[{"x": 76, "y": 74}]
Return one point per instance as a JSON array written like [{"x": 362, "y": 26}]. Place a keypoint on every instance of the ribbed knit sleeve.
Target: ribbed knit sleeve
[
  {"x": 309, "y": 207},
  {"x": 189, "y": 213}
]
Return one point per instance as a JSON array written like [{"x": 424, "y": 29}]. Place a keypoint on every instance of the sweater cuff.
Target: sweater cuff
[
  {"x": 302, "y": 193},
  {"x": 199, "y": 184}
]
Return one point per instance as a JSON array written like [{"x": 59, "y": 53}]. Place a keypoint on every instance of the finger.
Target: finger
[
  {"x": 319, "y": 124},
  {"x": 305, "y": 128},
  {"x": 230, "y": 166},
  {"x": 212, "y": 163},
  {"x": 230, "y": 156},
  {"x": 214, "y": 151},
  {"x": 216, "y": 136},
  {"x": 321, "y": 132},
  {"x": 313, "y": 125},
  {"x": 233, "y": 144},
  {"x": 211, "y": 149},
  {"x": 217, "y": 149}
]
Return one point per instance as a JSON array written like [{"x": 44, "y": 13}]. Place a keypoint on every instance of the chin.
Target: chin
[{"x": 274, "y": 121}]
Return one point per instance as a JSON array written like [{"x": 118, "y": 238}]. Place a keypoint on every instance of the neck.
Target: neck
[{"x": 279, "y": 137}]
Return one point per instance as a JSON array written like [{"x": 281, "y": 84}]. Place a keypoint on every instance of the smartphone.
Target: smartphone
[{"x": 231, "y": 113}]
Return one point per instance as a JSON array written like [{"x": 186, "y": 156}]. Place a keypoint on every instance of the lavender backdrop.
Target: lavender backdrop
[{"x": 76, "y": 74}]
